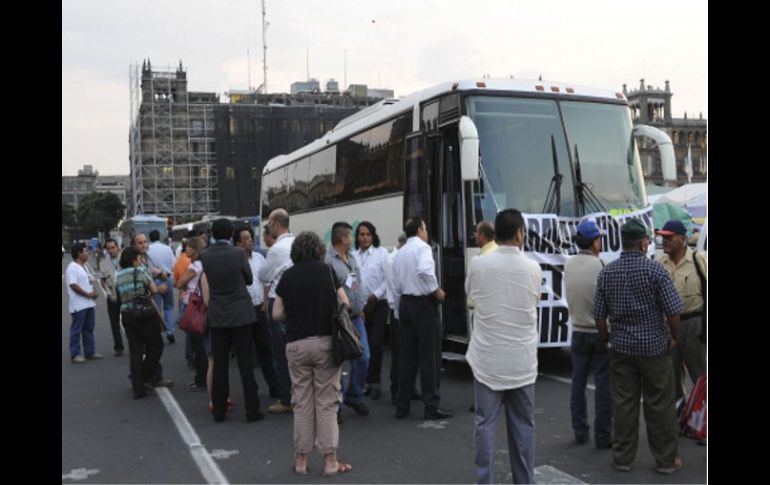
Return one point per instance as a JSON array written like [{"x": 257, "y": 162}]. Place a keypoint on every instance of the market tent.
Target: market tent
[
  {"x": 693, "y": 197},
  {"x": 665, "y": 211}
]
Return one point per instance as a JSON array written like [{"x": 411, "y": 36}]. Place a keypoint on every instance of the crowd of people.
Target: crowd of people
[{"x": 636, "y": 326}]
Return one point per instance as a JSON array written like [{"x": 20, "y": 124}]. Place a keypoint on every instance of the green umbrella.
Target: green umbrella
[{"x": 663, "y": 212}]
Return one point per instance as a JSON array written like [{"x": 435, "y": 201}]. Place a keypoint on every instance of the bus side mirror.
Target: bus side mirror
[{"x": 469, "y": 149}]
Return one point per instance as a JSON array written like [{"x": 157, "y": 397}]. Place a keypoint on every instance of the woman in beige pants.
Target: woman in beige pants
[{"x": 306, "y": 297}]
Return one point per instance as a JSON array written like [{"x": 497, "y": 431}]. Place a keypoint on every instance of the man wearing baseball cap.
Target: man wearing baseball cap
[
  {"x": 588, "y": 350},
  {"x": 679, "y": 260},
  {"x": 638, "y": 295}
]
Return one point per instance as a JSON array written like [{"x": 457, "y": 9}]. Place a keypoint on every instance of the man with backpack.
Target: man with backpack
[{"x": 689, "y": 271}]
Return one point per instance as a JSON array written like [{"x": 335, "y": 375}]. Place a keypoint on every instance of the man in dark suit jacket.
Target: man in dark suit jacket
[{"x": 230, "y": 314}]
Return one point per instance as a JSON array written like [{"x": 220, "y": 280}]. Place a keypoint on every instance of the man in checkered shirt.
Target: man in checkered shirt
[{"x": 638, "y": 296}]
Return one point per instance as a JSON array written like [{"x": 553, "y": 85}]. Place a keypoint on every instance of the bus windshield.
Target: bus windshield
[
  {"x": 603, "y": 135},
  {"x": 525, "y": 154}
]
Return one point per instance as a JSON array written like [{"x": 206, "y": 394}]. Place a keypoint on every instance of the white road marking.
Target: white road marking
[
  {"x": 79, "y": 474},
  {"x": 428, "y": 423},
  {"x": 564, "y": 380},
  {"x": 220, "y": 454},
  {"x": 547, "y": 474},
  {"x": 208, "y": 468}
]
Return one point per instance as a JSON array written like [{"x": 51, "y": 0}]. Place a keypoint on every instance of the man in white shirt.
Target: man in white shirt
[
  {"x": 416, "y": 293},
  {"x": 243, "y": 237},
  {"x": 278, "y": 260},
  {"x": 502, "y": 354},
  {"x": 160, "y": 257},
  {"x": 372, "y": 260},
  {"x": 108, "y": 269},
  {"x": 82, "y": 294}
]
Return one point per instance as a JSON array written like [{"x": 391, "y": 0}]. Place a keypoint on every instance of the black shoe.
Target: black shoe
[
  {"x": 401, "y": 413},
  {"x": 171, "y": 339},
  {"x": 195, "y": 387},
  {"x": 416, "y": 395},
  {"x": 118, "y": 352},
  {"x": 438, "y": 413},
  {"x": 367, "y": 391},
  {"x": 603, "y": 443},
  {"x": 139, "y": 395},
  {"x": 361, "y": 408},
  {"x": 376, "y": 393},
  {"x": 472, "y": 408},
  {"x": 219, "y": 419},
  {"x": 256, "y": 417}
]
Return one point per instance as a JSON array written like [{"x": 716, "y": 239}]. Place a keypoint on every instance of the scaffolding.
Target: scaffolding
[{"x": 173, "y": 161}]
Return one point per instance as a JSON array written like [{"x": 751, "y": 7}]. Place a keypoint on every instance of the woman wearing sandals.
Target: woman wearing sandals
[{"x": 307, "y": 293}]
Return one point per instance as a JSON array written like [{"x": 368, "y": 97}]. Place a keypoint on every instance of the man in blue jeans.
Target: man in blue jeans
[
  {"x": 340, "y": 257},
  {"x": 589, "y": 352},
  {"x": 82, "y": 294}
]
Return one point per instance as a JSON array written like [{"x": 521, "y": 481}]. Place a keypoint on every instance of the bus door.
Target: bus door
[
  {"x": 433, "y": 191},
  {"x": 450, "y": 232}
]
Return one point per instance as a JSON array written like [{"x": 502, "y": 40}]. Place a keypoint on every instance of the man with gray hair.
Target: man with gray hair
[{"x": 278, "y": 260}]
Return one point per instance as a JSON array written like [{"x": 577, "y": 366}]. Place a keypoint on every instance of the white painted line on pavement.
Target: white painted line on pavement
[
  {"x": 565, "y": 380},
  {"x": 208, "y": 468},
  {"x": 79, "y": 474},
  {"x": 546, "y": 474}
]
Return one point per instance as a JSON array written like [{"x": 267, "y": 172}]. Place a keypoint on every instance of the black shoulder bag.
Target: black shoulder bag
[
  {"x": 142, "y": 306},
  {"x": 346, "y": 343}
]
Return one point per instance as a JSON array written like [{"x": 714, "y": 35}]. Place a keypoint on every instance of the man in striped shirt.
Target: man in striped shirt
[{"x": 637, "y": 294}]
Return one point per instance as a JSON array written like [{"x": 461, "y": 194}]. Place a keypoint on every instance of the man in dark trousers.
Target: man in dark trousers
[
  {"x": 416, "y": 293},
  {"x": 637, "y": 294},
  {"x": 230, "y": 314}
]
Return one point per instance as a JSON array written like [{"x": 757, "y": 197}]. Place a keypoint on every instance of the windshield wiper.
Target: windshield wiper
[
  {"x": 553, "y": 198},
  {"x": 585, "y": 195}
]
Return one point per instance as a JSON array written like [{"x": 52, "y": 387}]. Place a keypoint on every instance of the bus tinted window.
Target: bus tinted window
[
  {"x": 365, "y": 165},
  {"x": 322, "y": 189}
]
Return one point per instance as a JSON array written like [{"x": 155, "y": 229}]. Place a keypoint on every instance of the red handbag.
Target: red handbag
[{"x": 194, "y": 318}]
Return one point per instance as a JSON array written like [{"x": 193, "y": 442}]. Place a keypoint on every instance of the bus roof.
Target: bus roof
[
  {"x": 147, "y": 218},
  {"x": 389, "y": 108}
]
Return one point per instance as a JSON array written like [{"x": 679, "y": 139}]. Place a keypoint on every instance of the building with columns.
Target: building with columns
[{"x": 652, "y": 106}]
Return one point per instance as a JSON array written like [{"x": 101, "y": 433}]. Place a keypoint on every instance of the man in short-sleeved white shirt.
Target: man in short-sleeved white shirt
[{"x": 82, "y": 294}]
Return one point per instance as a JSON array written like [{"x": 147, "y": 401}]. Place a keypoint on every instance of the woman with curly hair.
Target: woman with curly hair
[{"x": 307, "y": 297}]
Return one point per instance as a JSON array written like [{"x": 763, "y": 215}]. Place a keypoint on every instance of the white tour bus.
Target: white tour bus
[{"x": 456, "y": 153}]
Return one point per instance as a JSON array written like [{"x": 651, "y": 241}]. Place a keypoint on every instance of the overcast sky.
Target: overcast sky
[{"x": 405, "y": 45}]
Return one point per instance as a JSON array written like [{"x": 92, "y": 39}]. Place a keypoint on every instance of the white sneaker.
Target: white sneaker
[{"x": 78, "y": 359}]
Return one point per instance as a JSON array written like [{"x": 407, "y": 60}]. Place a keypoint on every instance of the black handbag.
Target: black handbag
[{"x": 346, "y": 343}]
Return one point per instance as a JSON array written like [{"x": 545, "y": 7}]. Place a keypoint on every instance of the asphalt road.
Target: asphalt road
[{"x": 170, "y": 437}]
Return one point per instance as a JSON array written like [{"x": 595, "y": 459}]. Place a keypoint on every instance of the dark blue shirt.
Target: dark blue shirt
[{"x": 636, "y": 294}]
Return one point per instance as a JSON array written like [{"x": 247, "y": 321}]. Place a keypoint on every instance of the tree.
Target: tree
[
  {"x": 99, "y": 212},
  {"x": 67, "y": 215}
]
